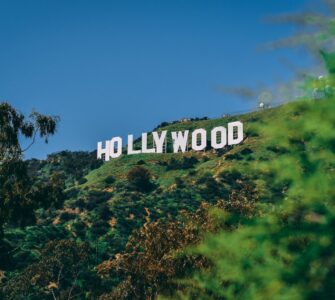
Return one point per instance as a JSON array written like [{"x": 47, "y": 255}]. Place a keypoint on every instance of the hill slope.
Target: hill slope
[{"x": 106, "y": 208}]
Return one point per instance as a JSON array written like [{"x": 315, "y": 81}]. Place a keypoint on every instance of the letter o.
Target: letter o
[
  {"x": 203, "y": 141},
  {"x": 214, "y": 137},
  {"x": 118, "y": 146}
]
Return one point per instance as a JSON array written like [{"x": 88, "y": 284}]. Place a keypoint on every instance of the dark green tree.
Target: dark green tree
[
  {"x": 58, "y": 274},
  {"x": 17, "y": 196},
  {"x": 139, "y": 178}
]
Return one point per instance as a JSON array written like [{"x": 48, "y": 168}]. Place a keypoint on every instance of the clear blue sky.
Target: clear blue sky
[{"x": 110, "y": 68}]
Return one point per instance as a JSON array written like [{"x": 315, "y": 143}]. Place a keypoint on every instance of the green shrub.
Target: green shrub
[
  {"x": 65, "y": 216},
  {"x": 82, "y": 180},
  {"x": 184, "y": 163},
  {"x": 139, "y": 179},
  {"x": 109, "y": 179},
  {"x": 179, "y": 182},
  {"x": 288, "y": 251}
]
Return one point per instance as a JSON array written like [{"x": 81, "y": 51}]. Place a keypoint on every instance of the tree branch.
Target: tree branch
[
  {"x": 32, "y": 143},
  {"x": 72, "y": 287}
]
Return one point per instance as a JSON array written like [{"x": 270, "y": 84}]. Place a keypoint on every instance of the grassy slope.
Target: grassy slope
[
  {"x": 216, "y": 164},
  {"x": 128, "y": 210}
]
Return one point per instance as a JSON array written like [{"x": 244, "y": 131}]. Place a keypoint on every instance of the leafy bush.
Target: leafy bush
[
  {"x": 192, "y": 172},
  {"x": 82, "y": 180},
  {"x": 59, "y": 273},
  {"x": 246, "y": 151},
  {"x": 139, "y": 178},
  {"x": 65, "y": 216},
  {"x": 109, "y": 179},
  {"x": 288, "y": 253},
  {"x": 80, "y": 228},
  {"x": 233, "y": 156},
  {"x": 179, "y": 182},
  {"x": 152, "y": 257},
  {"x": 99, "y": 227},
  {"x": 184, "y": 163},
  {"x": 103, "y": 212},
  {"x": 72, "y": 193}
]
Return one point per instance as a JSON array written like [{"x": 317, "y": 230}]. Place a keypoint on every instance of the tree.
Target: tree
[
  {"x": 58, "y": 275},
  {"x": 16, "y": 194},
  {"x": 155, "y": 255},
  {"x": 150, "y": 261},
  {"x": 140, "y": 179},
  {"x": 49, "y": 194}
]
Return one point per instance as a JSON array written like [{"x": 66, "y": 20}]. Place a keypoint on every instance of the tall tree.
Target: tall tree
[{"x": 16, "y": 193}]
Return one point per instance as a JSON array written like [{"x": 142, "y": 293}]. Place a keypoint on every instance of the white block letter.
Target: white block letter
[
  {"x": 130, "y": 145},
  {"x": 235, "y": 133},
  {"x": 118, "y": 147},
  {"x": 214, "y": 137},
  {"x": 145, "y": 144},
  {"x": 179, "y": 140},
  {"x": 159, "y": 140},
  {"x": 105, "y": 151},
  {"x": 203, "y": 139}
]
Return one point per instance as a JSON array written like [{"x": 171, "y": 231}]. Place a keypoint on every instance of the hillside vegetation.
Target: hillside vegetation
[
  {"x": 136, "y": 215},
  {"x": 104, "y": 206}
]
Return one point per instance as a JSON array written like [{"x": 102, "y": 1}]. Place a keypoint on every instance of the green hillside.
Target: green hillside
[
  {"x": 105, "y": 203},
  {"x": 180, "y": 181},
  {"x": 208, "y": 161},
  {"x": 106, "y": 197},
  {"x": 105, "y": 209}
]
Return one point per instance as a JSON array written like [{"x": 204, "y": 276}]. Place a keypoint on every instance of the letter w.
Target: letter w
[{"x": 179, "y": 141}]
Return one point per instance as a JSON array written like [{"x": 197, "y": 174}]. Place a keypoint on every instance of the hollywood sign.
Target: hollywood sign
[{"x": 220, "y": 137}]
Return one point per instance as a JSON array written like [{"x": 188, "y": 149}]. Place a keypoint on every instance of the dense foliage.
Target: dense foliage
[
  {"x": 269, "y": 212},
  {"x": 288, "y": 253},
  {"x": 19, "y": 198}
]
